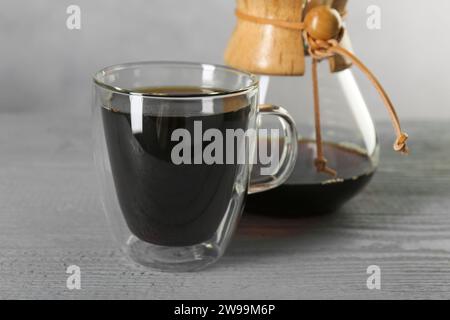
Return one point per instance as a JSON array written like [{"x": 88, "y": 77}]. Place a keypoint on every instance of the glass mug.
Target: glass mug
[{"x": 170, "y": 200}]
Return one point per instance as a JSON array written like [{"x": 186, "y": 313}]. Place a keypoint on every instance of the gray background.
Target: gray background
[
  {"x": 50, "y": 213},
  {"x": 44, "y": 67}
]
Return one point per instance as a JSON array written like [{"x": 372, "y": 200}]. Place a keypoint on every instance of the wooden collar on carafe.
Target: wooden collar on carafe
[{"x": 323, "y": 30}]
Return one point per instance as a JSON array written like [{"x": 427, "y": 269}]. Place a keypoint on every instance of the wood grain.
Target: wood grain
[
  {"x": 50, "y": 218},
  {"x": 263, "y": 48}
]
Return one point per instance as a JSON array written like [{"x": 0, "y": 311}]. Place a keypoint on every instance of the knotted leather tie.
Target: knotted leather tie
[{"x": 322, "y": 49}]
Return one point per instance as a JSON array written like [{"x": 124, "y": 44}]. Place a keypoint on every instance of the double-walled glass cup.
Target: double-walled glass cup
[{"x": 174, "y": 147}]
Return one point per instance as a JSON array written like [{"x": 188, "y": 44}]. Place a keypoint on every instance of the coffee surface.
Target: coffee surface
[
  {"x": 174, "y": 91},
  {"x": 164, "y": 203}
]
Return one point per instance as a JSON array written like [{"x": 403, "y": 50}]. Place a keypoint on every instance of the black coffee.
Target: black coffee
[
  {"x": 163, "y": 203},
  {"x": 305, "y": 192}
]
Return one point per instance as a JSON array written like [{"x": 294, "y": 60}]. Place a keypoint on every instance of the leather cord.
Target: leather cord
[
  {"x": 291, "y": 25},
  {"x": 320, "y": 162},
  {"x": 320, "y": 49}
]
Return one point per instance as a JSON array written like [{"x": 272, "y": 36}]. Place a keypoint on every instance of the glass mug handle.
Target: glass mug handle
[{"x": 289, "y": 154}]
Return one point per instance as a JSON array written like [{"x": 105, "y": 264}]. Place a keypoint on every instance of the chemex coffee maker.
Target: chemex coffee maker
[{"x": 298, "y": 47}]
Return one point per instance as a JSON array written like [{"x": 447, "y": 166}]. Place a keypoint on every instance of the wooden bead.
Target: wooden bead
[{"x": 323, "y": 23}]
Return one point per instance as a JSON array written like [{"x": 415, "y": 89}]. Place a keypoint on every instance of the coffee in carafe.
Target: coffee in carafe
[{"x": 302, "y": 52}]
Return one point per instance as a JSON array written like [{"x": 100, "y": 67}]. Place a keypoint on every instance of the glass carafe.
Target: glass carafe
[{"x": 350, "y": 143}]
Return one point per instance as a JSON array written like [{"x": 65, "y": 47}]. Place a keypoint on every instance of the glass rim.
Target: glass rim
[{"x": 227, "y": 93}]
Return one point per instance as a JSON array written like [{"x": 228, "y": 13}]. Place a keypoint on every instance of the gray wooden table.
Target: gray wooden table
[{"x": 50, "y": 218}]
